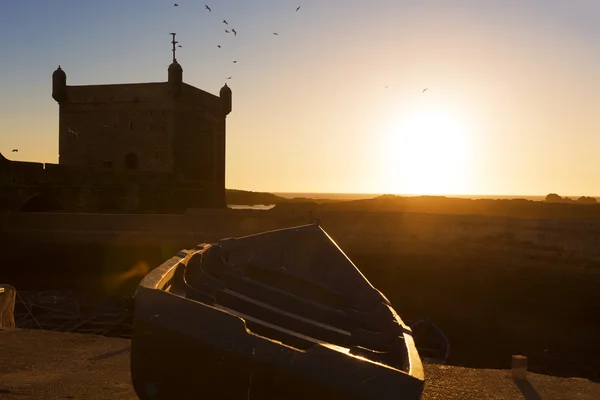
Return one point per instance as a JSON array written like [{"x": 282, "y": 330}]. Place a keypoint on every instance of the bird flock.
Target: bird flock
[{"x": 228, "y": 29}]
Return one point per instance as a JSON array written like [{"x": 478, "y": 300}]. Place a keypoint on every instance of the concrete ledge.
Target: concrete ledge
[
  {"x": 51, "y": 365},
  {"x": 38, "y": 364}
]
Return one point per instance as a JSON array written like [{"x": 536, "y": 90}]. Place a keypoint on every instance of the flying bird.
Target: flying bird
[
  {"x": 176, "y": 5},
  {"x": 275, "y": 33},
  {"x": 179, "y": 46},
  {"x": 234, "y": 62},
  {"x": 228, "y": 78},
  {"x": 219, "y": 46},
  {"x": 225, "y": 22},
  {"x": 227, "y": 31},
  {"x": 208, "y": 8},
  {"x": 73, "y": 132},
  {"x": 298, "y": 8},
  {"x": 424, "y": 90},
  {"x": 15, "y": 150},
  {"x": 234, "y": 32}
]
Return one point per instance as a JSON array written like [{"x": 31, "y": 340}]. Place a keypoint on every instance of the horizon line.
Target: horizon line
[{"x": 421, "y": 194}]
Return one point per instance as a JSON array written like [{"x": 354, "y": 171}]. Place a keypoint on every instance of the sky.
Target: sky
[{"x": 334, "y": 103}]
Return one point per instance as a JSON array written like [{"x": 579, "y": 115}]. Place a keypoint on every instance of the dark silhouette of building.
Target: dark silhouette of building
[
  {"x": 164, "y": 126},
  {"x": 144, "y": 147}
]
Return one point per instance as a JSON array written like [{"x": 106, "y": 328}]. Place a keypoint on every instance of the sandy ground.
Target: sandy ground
[
  {"x": 38, "y": 364},
  {"x": 50, "y": 365}
]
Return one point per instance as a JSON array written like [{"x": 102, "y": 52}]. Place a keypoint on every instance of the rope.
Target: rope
[{"x": 29, "y": 311}]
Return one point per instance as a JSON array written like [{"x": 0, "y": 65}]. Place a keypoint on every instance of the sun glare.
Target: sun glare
[{"x": 427, "y": 152}]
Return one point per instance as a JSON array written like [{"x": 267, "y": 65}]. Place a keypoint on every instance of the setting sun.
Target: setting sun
[{"x": 427, "y": 152}]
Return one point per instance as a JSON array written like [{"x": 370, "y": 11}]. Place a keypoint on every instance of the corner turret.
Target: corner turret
[
  {"x": 175, "y": 78},
  {"x": 225, "y": 95},
  {"x": 59, "y": 85}
]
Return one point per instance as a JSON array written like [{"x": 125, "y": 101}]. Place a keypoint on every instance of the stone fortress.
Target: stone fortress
[{"x": 127, "y": 148}]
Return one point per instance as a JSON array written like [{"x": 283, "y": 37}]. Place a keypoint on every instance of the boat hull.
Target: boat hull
[
  {"x": 170, "y": 364},
  {"x": 189, "y": 348}
]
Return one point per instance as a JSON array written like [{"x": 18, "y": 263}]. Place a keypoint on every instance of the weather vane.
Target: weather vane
[{"x": 174, "y": 43}]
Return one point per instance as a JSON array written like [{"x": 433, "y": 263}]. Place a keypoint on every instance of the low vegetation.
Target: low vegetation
[
  {"x": 245, "y": 197},
  {"x": 583, "y": 209}
]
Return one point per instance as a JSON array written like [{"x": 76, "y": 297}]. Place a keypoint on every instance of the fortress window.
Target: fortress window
[{"x": 131, "y": 161}]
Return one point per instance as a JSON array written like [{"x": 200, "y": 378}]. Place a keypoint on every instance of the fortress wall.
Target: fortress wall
[
  {"x": 103, "y": 123},
  {"x": 78, "y": 189},
  {"x": 200, "y": 98},
  {"x": 30, "y": 173},
  {"x": 64, "y": 175},
  {"x": 19, "y": 171},
  {"x": 117, "y": 93}
]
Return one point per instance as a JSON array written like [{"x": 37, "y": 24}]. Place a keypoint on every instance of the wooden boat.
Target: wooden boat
[{"x": 283, "y": 314}]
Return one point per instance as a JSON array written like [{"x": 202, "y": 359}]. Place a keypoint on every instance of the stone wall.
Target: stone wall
[
  {"x": 103, "y": 125},
  {"x": 53, "y": 187},
  {"x": 199, "y": 127}
]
